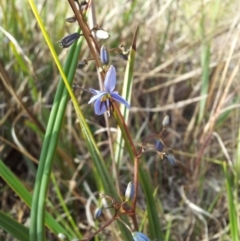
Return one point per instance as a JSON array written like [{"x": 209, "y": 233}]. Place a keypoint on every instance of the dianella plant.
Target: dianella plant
[
  {"x": 93, "y": 97},
  {"x": 107, "y": 101}
]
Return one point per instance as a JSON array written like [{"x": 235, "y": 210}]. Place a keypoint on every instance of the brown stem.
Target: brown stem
[{"x": 100, "y": 229}]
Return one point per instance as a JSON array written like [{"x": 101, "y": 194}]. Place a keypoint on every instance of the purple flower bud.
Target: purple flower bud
[
  {"x": 129, "y": 193},
  {"x": 138, "y": 236},
  {"x": 166, "y": 121},
  {"x": 69, "y": 40},
  {"x": 104, "y": 56},
  {"x": 98, "y": 213},
  {"x": 71, "y": 19},
  {"x": 159, "y": 146},
  {"x": 170, "y": 157},
  {"x": 82, "y": 64}
]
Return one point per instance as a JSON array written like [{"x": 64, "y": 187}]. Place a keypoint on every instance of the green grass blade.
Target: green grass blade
[
  {"x": 126, "y": 94},
  {"x": 13, "y": 227},
  {"x": 24, "y": 194},
  {"x": 205, "y": 61},
  {"x": 37, "y": 232},
  {"x": 232, "y": 208},
  {"x": 37, "y": 215}
]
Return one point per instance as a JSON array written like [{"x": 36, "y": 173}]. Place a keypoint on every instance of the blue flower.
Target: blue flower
[
  {"x": 103, "y": 98},
  {"x": 138, "y": 236}
]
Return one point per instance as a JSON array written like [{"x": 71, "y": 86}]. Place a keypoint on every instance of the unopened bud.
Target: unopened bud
[
  {"x": 166, "y": 121},
  {"x": 82, "y": 64},
  {"x": 69, "y": 40},
  {"x": 104, "y": 56},
  {"x": 159, "y": 146},
  {"x": 71, "y": 19},
  {"x": 138, "y": 236},
  {"x": 129, "y": 193},
  {"x": 98, "y": 213},
  {"x": 171, "y": 158},
  {"x": 62, "y": 236},
  {"x": 102, "y": 34}
]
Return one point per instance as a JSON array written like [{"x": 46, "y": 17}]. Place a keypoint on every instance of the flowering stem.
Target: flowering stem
[
  {"x": 133, "y": 154},
  {"x": 100, "y": 229},
  {"x": 95, "y": 50}
]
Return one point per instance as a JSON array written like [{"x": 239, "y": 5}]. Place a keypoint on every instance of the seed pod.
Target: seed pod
[
  {"x": 98, "y": 213},
  {"x": 166, "y": 121},
  {"x": 69, "y": 40},
  {"x": 123, "y": 52},
  {"x": 129, "y": 193},
  {"x": 104, "y": 56}
]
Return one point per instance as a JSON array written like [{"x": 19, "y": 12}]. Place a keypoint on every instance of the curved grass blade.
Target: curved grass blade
[
  {"x": 13, "y": 227},
  {"x": 37, "y": 225},
  {"x": 24, "y": 194},
  {"x": 232, "y": 207}
]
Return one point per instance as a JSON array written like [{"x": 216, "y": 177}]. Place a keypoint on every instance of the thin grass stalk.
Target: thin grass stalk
[
  {"x": 64, "y": 206},
  {"x": 232, "y": 211}
]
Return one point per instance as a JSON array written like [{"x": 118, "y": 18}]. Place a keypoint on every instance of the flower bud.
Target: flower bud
[
  {"x": 71, "y": 19},
  {"x": 159, "y": 146},
  {"x": 171, "y": 158},
  {"x": 129, "y": 193},
  {"x": 138, "y": 236},
  {"x": 62, "y": 236},
  {"x": 102, "y": 34},
  {"x": 166, "y": 121},
  {"x": 69, "y": 40},
  {"x": 104, "y": 56},
  {"x": 98, "y": 213},
  {"x": 82, "y": 64}
]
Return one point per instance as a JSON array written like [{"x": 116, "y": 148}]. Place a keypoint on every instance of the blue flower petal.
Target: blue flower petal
[
  {"x": 99, "y": 96},
  {"x": 99, "y": 107},
  {"x": 110, "y": 79},
  {"x": 119, "y": 99},
  {"x": 93, "y": 91}
]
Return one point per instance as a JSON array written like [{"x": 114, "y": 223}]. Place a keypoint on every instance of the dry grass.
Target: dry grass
[{"x": 168, "y": 80}]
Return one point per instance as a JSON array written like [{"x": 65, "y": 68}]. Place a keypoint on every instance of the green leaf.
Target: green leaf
[
  {"x": 17, "y": 230},
  {"x": 24, "y": 194}
]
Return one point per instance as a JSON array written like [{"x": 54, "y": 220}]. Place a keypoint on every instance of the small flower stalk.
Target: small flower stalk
[
  {"x": 103, "y": 99},
  {"x": 129, "y": 193},
  {"x": 138, "y": 236}
]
